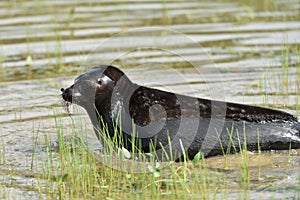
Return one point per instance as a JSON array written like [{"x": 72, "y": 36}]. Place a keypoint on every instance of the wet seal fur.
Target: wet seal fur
[{"x": 171, "y": 124}]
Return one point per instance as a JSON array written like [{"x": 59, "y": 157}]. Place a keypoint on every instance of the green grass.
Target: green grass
[
  {"x": 75, "y": 171},
  {"x": 280, "y": 89},
  {"x": 81, "y": 173}
]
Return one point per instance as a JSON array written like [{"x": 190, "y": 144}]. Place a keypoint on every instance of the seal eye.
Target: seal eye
[{"x": 100, "y": 81}]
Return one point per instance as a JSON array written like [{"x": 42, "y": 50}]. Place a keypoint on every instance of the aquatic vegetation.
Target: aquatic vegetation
[
  {"x": 82, "y": 172},
  {"x": 254, "y": 49}
]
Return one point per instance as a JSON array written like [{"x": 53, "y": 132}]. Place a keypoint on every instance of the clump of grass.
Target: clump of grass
[
  {"x": 2, "y": 151},
  {"x": 82, "y": 173},
  {"x": 229, "y": 146},
  {"x": 77, "y": 171},
  {"x": 59, "y": 51},
  {"x": 245, "y": 168},
  {"x": 3, "y": 70},
  {"x": 285, "y": 67},
  {"x": 278, "y": 86}
]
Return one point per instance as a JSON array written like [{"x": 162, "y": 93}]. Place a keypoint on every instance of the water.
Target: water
[{"x": 246, "y": 52}]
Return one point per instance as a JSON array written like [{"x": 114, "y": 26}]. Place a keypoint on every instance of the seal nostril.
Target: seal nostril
[{"x": 66, "y": 94}]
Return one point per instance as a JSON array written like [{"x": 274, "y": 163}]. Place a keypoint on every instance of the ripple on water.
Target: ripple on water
[{"x": 241, "y": 60}]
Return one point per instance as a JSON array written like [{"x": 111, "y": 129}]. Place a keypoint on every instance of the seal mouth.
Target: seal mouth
[{"x": 67, "y": 94}]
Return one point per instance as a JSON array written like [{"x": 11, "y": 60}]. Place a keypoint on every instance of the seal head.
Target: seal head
[{"x": 92, "y": 91}]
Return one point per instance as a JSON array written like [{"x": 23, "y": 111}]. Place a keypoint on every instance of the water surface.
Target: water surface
[{"x": 240, "y": 51}]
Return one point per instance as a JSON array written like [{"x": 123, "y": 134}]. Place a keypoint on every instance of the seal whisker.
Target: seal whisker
[{"x": 66, "y": 106}]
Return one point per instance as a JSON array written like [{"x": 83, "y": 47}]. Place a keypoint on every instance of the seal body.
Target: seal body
[{"x": 173, "y": 125}]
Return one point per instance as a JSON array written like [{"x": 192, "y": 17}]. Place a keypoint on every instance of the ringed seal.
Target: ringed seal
[{"x": 174, "y": 124}]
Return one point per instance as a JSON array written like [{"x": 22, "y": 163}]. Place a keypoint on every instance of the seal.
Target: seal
[{"x": 174, "y": 125}]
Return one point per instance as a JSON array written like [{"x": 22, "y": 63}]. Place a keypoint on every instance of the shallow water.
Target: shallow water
[{"x": 246, "y": 52}]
